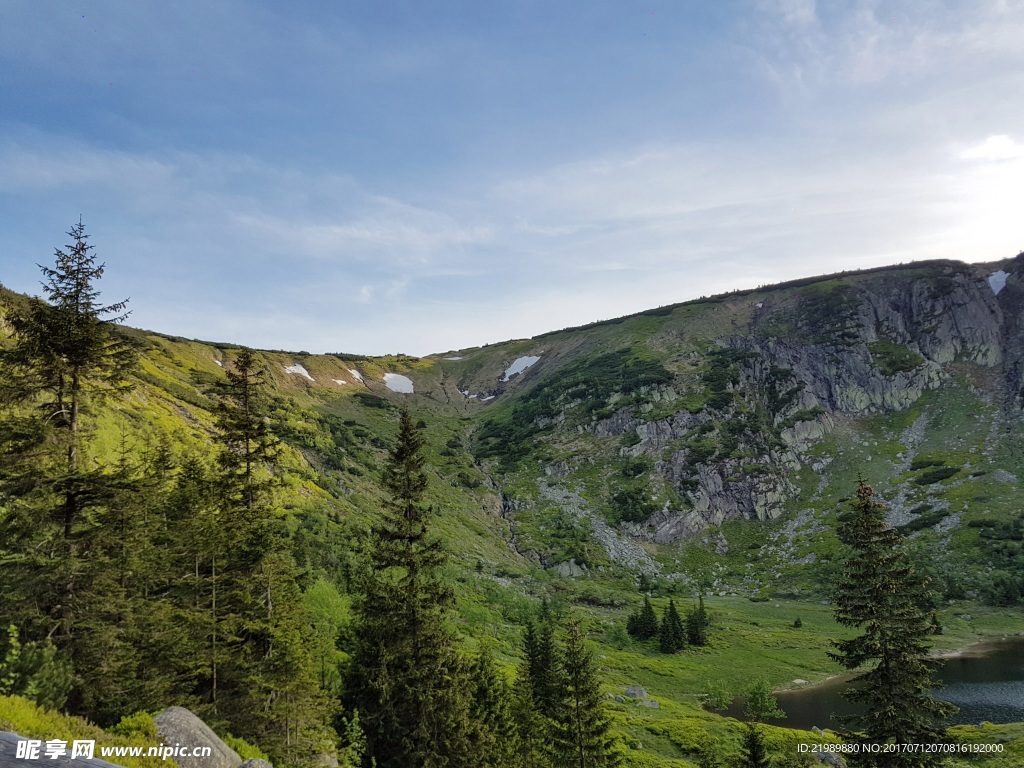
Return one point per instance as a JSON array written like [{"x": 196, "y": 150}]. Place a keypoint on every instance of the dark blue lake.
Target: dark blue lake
[{"x": 986, "y": 682}]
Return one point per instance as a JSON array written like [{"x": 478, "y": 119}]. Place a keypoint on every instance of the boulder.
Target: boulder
[
  {"x": 256, "y": 762},
  {"x": 570, "y": 569},
  {"x": 636, "y": 692},
  {"x": 649, "y": 703},
  {"x": 176, "y": 725}
]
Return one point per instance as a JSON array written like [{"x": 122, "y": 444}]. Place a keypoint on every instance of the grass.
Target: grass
[{"x": 892, "y": 358}]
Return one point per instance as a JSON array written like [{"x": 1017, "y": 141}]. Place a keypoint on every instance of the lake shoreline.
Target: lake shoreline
[
  {"x": 984, "y": 679},
  {"x": 977, "y": 649}
]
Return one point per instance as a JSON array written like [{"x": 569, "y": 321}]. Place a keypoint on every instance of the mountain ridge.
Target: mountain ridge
[{"x": 702, "y": 448}]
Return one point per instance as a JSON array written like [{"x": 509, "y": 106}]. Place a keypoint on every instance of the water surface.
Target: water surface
[{"x": 986, "y": 682}]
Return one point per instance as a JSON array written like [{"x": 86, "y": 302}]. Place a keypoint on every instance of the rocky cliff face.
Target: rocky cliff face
[{"x": 860, "y": 346}]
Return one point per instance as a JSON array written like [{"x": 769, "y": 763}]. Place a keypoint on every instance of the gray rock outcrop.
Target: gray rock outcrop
[
  {"x": 177, "y": 725},
  {"x": 860, "y": 347},
  {"x": 569, "y": 569}
]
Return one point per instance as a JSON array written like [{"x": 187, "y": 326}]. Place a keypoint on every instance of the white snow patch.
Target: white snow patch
[
  {"x": 218, "y": 362},
  {"x": 997, "y": 281},
  {"x": 298, "y": 370},
  {"x": 520, "y": 365},
  {"x": 453, "y": 358},
  {"x": 759, "y": 305},
  {"x": 356, "y": 373},
  {"x": 396, "y": 382},
  {"x": 340, "y": 382},
  {"x": 489, "y": 397}
]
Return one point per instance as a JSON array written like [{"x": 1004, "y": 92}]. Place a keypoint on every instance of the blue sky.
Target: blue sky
[{"x": 380, "y": 177}]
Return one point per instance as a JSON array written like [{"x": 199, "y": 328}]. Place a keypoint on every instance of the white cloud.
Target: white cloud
[
  {"x": 209, "y": 244},
  {"x": 1000, "y": 147},
  {"x": 197, "y": 240},
  {"x": 379, "y": 228}
]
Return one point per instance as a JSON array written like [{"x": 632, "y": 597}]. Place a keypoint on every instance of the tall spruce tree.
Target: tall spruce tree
[
  {"x": 697, "y": 623},
  {"x": 582, "y": 733},
  {"x": 262, "y": 675},
  {"x": 880, "y": 593},
  {"x": 58, "y": 558},
  {"x": 405, "y": 677},
  {"x": 544, "y": 664},
  {"x": 188, "y": 539},
  {"x": 671, "y": 636}
]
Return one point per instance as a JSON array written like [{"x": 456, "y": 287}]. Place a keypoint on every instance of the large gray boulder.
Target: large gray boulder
[{"x": 176, "y": 725}]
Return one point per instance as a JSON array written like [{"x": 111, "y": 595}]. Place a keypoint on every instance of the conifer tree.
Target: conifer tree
[
  {"x": 880, "y": 593},
  {"x": 643, "y": 624},
  {"x": 262, "y": 676},
  {"x": 671, "y": 636},
  {"x": 493, "y": 735},
  {"x": 583, "y": 738},
  {"x": 57, "y": 556},
  {"x": 544, "y": 664},
  {"x": 532, "y": 729},
  {"x": 404, "y": 676},
  {"x": 697, "y": 623},
  {"x": 248, "y": 446},
  {"x": 755, "y": 753},
  {"x": 190, "y": 541}
]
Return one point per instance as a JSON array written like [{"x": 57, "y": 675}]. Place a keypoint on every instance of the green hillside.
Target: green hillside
[{"x": 704, "y": 448}]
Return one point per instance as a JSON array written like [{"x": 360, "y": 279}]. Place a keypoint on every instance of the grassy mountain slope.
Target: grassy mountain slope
[{"x": 703, "y": 446}]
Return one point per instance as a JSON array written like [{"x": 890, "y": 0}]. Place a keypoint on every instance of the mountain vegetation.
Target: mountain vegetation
[{"x": 473, "y": 573}]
